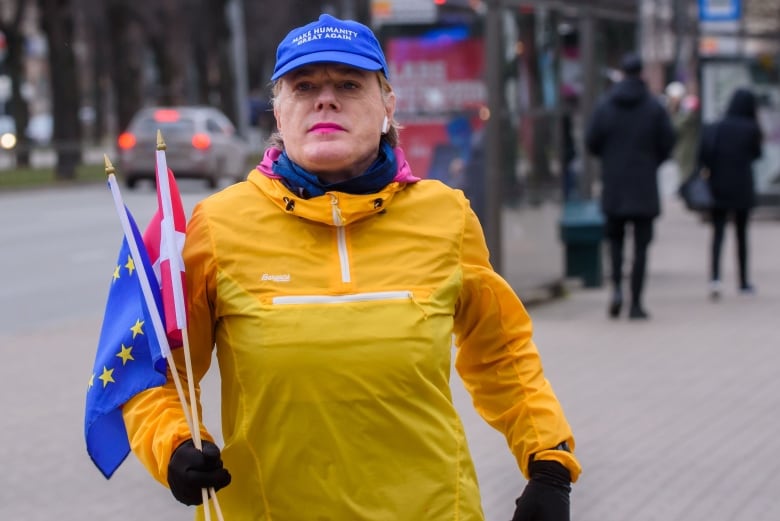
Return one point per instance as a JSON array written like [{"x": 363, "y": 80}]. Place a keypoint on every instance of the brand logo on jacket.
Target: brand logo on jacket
[{"x": 276, "y": 277}]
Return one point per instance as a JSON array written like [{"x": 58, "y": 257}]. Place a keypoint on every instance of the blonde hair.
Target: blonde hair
[{"x": 393, "y": 132}]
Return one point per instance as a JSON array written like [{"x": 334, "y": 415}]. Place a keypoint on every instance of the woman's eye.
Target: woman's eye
[{"x": 304, "y": 86}]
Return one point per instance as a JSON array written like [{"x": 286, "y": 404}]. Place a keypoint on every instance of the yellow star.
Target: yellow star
[
  {"x": 125, "y": 354},
  {"x": 137, "y": 329},
  {"x": 107, "y": 376},
  {"x": 130, "y": 265},
  {"x": 91, "y": 380},
  {"x": 116, "y": 272}
]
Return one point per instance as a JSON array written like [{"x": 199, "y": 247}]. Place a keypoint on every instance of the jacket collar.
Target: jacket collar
[{"x": 333, "y": 208}]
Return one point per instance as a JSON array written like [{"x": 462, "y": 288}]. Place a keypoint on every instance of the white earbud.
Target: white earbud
[{"x": 385, "y": 124}]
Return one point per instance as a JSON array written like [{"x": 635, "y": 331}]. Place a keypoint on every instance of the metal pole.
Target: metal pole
[
  {"x": 494, "y": 153},
  {"x": 348, "y": 9},
  {"x": 588, "y": 53},
  {"x": 235, "y": 16},
  {"x": 680, "y": 22}
]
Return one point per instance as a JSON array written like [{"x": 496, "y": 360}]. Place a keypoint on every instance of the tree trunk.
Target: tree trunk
[
  {"x": 125, "y": 68},
  {"x": 167, "y": 34},
  {"x": 97, "y": 40},
  {"x": 199, "y": 51},
  {"x": 57, "y": 23},
  {"x": 222, "y": 42}
]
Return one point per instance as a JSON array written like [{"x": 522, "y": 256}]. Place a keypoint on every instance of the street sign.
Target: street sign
[{"x": 720, "y": 10}]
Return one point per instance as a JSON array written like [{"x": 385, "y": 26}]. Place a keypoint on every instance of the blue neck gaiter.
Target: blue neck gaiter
[{"x": 307, "y": 185}]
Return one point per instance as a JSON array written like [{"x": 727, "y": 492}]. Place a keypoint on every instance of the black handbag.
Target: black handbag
[{"x": 696, "y": 192}]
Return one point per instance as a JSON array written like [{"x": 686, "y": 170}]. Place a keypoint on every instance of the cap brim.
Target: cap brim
[{"x": 346, "y": 58}]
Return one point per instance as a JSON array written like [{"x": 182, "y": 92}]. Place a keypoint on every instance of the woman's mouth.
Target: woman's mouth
[{"x": 325, "y": 128}]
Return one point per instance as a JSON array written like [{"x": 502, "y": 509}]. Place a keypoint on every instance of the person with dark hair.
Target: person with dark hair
[
  {"x": 632, "y": 134},
  {"x": 331, "y": 284},
  {"x": 728, "y": 148}
]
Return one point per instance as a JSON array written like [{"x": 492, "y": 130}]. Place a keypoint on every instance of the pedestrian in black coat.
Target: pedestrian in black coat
[
  {"x": 728, "y": 149},
  {"x": 632, "y": 134}
]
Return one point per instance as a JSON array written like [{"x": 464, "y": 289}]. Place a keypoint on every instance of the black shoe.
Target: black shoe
[
  {"x": 747, "y": 289},
  {"x": 615, "y": 304},
  {"x": 637, "y": 313}
]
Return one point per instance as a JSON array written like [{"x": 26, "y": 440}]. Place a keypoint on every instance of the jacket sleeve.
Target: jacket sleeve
[
  {"x": 757, "y": 142},
  {"x": 500, "y": 365},
  {"x": 155, "y": 419},
  {"x": 705, "y": 150}
]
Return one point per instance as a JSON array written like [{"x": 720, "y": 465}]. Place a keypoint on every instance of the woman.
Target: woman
[
  {"x": 728, "y": 148},
  {"x": 331, "y": 282}
]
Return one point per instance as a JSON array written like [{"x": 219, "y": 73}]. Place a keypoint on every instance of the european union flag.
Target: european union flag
[{"x": 128, "y": 361}]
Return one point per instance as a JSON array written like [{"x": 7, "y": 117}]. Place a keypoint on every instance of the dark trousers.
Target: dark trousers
[
  {"x": 719, "y": 219},
  {"x": 643, "y": 234}
]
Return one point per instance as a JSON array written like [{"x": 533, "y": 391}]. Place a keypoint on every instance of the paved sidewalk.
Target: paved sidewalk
[{"x": 675, "y": 418}]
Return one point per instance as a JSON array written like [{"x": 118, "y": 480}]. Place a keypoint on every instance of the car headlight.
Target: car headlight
[{"x": 8, "y": 141}]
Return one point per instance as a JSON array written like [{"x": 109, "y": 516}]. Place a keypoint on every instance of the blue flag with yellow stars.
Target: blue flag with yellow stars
[{"x": 129, "y": 359}]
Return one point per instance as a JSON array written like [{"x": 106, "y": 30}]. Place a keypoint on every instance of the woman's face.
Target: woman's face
[{"x": 330, "y": 117}]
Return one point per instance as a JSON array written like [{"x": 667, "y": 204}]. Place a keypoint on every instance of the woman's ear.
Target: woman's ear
[
  {"x": 390, "y": 105},
  {"x": 278, "y": 121},
  {"x": 389, "y": 112}
]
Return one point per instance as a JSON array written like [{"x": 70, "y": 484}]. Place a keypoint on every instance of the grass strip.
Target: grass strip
[{"x": 31, "y": 177}]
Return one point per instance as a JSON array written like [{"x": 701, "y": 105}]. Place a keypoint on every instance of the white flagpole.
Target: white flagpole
[
  {"x": 146, "y": 288},
  {"x": 168, "y": 233},
  {"x": 151, "y": 304},
  {"x": 159, "y": 330}
]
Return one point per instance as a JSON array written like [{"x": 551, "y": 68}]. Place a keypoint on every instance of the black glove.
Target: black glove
[
  {"x": 546, "y": 496},
  {"x": 190, "y": 470}
]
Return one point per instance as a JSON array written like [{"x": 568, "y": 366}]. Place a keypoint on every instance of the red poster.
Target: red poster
[{"x": 438, "y": 81}]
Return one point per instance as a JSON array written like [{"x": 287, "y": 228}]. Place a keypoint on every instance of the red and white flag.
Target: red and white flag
[{"x": 164, "y": 240}]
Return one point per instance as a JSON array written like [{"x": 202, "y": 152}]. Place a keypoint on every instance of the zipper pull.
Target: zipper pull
[{"x": 334, "y": 201}]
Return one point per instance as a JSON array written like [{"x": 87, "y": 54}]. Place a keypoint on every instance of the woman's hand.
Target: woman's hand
[
  {"x": 546, "y": 496},
  {"x": 191, "y": 470}
]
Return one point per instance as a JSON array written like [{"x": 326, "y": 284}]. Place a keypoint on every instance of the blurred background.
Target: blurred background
[
  {"x": 493, "y": 94},
  {"x": 673, "y": 418}
]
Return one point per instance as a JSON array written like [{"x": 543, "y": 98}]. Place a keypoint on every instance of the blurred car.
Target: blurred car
[{"x": 201, "y": 143}]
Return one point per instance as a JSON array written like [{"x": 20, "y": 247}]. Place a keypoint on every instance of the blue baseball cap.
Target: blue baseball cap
[{"x": 330, "y": 40}]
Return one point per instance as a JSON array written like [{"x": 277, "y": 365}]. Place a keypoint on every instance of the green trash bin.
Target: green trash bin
[{"x": 582, "y": 231}]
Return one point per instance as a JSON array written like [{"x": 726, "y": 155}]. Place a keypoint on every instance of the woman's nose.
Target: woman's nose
[{"x": 326, "y": 98}]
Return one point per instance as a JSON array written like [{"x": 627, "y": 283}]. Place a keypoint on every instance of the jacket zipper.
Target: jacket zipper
[
  {"x": 341, "y": 239},
  {"x": 340, "y": 299}
]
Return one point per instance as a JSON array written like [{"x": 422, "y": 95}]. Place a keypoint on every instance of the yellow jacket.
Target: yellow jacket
[{"x": 332, "y": 319}]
